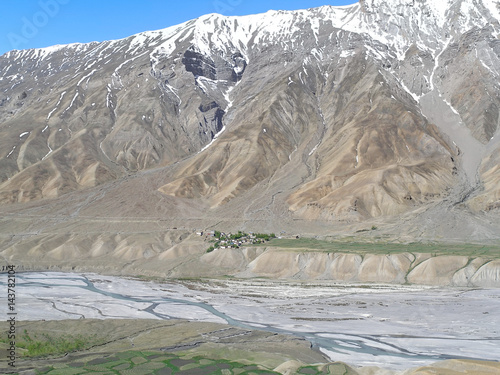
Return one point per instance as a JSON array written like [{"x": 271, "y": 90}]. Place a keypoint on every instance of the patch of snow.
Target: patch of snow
[
  {"x": 451, "y": 107},
  {"x": 494, "y": 72},
  {"x": 314, "y": 149},
  {"x": 138, "y": 41},
  {"x": 415, "y": 96},
  {"x": 315, "y": 28},
  {"x": 436, "y": 64},
  {"x": 10, "y": 153},
  {"x": 87, "y": 76},
  {"x": 227, "y": 97},
  {"x": 493, "y": 8},
  {"x": 15, "y": 77},
  {"x": 42, "y": 53},
  {"x": 213, "y": 140},
  {"x": 72, "y": 101},
  {"x": 347, "y": 53},
  {"x": 174, "y": 91},
  {"x": 108, "y": 97},
  {"x": 48, "y": 153},
  {"x": 57, "y": 105},
  {"x": 23, "y": 134}
]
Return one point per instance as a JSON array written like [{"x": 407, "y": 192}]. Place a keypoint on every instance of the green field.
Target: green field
[
  {"x": 141, "y": 346},
  {"x": 160, "y": 363},
  {"x": 44, "y": 345},
  {"x": 152, "y": 362},
  {"x": 311, "y": 244}
]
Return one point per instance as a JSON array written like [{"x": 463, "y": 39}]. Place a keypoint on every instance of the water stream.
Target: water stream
[{"x": 369, "y": 347}]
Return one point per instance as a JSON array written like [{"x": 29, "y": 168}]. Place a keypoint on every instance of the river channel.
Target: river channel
[{"x": 394, "y": 327}]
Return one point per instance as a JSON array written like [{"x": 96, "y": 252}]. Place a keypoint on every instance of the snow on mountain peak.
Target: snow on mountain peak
[{"x": 396, "y": 23}]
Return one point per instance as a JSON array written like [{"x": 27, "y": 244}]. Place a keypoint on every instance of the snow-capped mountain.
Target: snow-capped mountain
[{"x": 346, "y": 114}]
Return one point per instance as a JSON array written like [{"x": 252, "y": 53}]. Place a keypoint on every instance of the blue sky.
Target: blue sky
[{"x": 42, "y": 23}]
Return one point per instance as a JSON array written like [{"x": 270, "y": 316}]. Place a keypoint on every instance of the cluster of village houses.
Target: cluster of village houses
[{"x": 234, "y": 240}]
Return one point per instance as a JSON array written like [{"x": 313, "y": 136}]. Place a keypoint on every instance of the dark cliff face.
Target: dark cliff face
[
  {"x": 231, "y": 69},
  {"x": 199, "y": 65},
  {"x": 346, "y": 113},
  {"x": 239, "y": 67}
]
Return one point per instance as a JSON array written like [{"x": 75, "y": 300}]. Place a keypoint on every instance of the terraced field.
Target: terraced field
[
  {"x": 143, "y": 347},
  {"x": 151, "y": 362}
]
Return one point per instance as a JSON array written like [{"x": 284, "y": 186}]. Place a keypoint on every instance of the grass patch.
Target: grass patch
[
  {"x": 362, "y": 248},
  {"x": 43, "y": 345}
]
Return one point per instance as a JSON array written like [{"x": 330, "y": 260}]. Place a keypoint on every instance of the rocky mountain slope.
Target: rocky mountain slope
[{"x": 383, "y": 111}]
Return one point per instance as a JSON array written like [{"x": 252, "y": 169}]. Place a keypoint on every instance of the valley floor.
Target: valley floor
[{"x": 393, "y": 327}]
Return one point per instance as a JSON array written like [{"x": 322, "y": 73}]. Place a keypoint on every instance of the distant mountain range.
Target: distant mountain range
[{"x": 384, "y": 112}]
